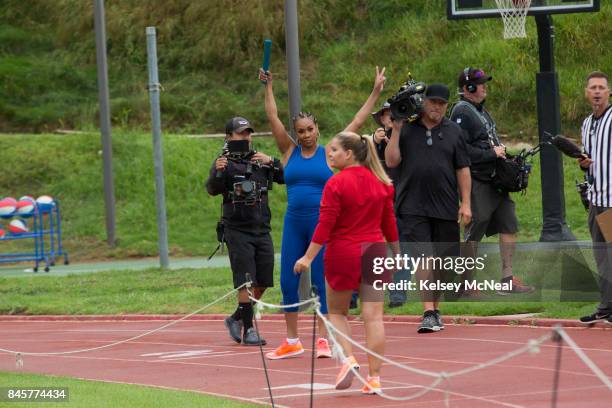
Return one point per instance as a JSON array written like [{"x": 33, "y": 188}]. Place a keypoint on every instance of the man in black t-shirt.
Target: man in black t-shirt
[
  {"x": 244, "y": 177},
  {"x": 434, "y": 167}
]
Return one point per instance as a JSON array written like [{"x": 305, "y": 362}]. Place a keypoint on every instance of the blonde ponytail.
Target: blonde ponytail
[{"x": 365, "y": 153}]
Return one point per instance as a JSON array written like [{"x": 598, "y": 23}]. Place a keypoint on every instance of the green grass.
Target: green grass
[
  {"x": 209, "y": 53},
  {"x": 93, "y": 394},
  {"x": 69, "y": 168},
  {"x": 183, "y": 291}
]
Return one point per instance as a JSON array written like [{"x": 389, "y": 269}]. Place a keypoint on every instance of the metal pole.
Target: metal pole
[
  {"x": 295, "y": 98},
  {"x": 293, "y": 60},
  {"x": 105, "y": 124},
  {"x": 158, "y": 158},
  {"x": 554, "y": 227}
]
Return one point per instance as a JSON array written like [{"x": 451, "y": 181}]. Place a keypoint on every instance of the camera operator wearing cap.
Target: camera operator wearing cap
[
  {"x": 493, "y": 210},
  {"x": 382, "y": 117},
  {"x": 434, "y": 173},
  {"x": 244, "y": 178}
]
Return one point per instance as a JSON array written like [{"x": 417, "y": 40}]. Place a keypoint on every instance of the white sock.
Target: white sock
[
  {"x": 376, "y": 377},
  {"x": 292, "y": 342}
]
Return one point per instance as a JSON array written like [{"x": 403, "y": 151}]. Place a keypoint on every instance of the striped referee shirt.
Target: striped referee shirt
[{"x": 597, "y": 142}]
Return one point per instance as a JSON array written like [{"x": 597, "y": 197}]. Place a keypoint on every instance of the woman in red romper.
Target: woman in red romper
[{"x": 356, "y": 217}]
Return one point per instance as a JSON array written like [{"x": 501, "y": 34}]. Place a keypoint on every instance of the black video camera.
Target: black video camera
[
  {"x": 244, "y": 189},
  {"x": 407, "y": 103}
]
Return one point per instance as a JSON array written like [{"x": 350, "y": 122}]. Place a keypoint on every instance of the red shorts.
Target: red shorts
[{"x": 344, "y": 272}]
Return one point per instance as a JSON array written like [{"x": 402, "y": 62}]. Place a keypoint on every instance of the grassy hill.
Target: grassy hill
[
  {"x": 209, "y": 53},
  {"x": 210, "y": 50}
]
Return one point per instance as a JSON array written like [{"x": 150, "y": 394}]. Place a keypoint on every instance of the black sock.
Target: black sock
[
  {"x": 246, "y": 311},
  {"x": 507, "y": 279},
  {"x": 237, "y": 315}
]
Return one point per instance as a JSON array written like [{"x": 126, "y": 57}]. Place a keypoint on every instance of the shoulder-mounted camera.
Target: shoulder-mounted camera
[{"x": 407, "y": 103}]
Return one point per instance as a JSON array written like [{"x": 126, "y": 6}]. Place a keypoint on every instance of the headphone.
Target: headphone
[{"x": 471, "y": 87}]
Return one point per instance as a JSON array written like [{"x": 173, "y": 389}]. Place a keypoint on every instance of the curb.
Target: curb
[{"x": 452, "y": 320}]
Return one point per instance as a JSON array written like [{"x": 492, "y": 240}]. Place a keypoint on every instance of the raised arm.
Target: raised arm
[
  {"x": 364, "y": 113},
  {"x": 283, "y": 140}
]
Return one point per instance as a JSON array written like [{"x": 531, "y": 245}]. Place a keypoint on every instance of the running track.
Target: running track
[{"x": 198, "y": 355}]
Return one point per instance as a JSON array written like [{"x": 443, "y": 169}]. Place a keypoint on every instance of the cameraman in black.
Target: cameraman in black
[
  {"x": 493, "y": 211},
  {"x": 244, "y": 177}
]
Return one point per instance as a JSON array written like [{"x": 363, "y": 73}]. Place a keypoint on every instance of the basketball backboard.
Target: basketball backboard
[{"x": 460, "y": 9}]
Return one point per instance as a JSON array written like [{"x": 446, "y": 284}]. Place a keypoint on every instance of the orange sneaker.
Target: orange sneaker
[
  {"x": 372, "y": 387},
  {"x": 323, "y": 350},
  {"x": 346, "y": 374},
  {"x": 286, "y": 350}
]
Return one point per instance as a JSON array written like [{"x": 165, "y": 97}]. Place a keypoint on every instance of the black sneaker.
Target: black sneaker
[
  {"x": 429, "y": 323},
  {"x": 395, "y": 303},
  {"x": 234, "y": 327},
  {"x": 596, "y": 317},
  {"x": 252, "y": 339},
  {"x": 439, "y": 319}
]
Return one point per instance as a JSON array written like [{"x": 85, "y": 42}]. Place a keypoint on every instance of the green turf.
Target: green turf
[
  {"x": 183, "y": 291},
  {"x": 94, "y": 394}
]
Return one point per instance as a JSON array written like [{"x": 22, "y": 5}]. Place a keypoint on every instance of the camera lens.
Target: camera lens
[{"x": 247, "y": 186}]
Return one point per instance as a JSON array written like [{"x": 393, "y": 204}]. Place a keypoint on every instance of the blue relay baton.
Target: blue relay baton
[{"x": 266, "y": 59}]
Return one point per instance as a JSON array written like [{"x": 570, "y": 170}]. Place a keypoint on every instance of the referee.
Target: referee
[{"x": 597, "y": 162}]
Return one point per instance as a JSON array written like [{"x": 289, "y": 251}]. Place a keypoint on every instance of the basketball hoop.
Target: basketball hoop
[{"x": 514, "y": 14}]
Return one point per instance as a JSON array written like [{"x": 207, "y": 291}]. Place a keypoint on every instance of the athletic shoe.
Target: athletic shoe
[
  {"x": 596, "y": 317},
  {"x": 346, "y": 374},
  {"x": 234, "y": 327},
  {"x": 609, "y": 321},
  {"x": 252, "y": 339},
  {"x": 372, "y": 387},
  {"x": 323, "y": 350},
  {"x": 517, "y": 287},
  {"x": 429, "y": 323},
  {"x": 439, "y": 319},
  {"x": 472, "y": 294},
  {"x": 286, "y": 350}
]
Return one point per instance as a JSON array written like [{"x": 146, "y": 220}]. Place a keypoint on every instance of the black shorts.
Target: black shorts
[
  {"x": 422, "y": 232},
  {"x": 493, "y": 212},
  {"x": 432, "y": 237},
  {"x": 251, "y": 253}
]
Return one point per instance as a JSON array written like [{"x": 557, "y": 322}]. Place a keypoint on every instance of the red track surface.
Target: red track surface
[{"x": 218, "y": 366}]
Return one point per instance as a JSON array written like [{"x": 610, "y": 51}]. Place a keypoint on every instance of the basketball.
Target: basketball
[
  {"x": 8, "y": 205},
  {"x": 18, "y": 226},
  {"x": 25, "y": 207},
  {"x": 45, "y": 203}
]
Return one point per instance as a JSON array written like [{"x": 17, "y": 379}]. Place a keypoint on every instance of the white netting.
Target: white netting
[{"x": 514, "y": 14}]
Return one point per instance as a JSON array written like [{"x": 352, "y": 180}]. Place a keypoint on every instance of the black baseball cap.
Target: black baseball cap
[
  {"x": 237, "y": 124},
  {"x": 376, "y": 115},
  {"x": 437, "y": 91},
  {"x": 472, "y": 76}
]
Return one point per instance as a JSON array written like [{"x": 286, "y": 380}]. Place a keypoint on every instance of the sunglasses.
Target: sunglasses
[{"x": 429, "y": 139}]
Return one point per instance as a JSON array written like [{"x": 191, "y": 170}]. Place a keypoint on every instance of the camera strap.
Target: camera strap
[
  {"x": 220, "y": 234},
  {"x": 491, "y": 132}
]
